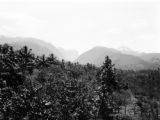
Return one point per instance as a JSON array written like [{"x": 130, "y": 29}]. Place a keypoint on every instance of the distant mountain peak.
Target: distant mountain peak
[
  {"x": 38, "y": 46},
  {"x": 124, "y": 48},
  {"x": 97, "y": 55},
  {"x": 128, "y": 51},
  {"x": 104, "y": 48}
]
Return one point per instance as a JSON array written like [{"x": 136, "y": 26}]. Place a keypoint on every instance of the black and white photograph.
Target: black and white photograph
[{"x": 79, "y": 60}]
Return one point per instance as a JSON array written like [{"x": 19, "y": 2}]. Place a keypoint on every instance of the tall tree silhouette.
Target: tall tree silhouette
[
  {"x": 25, "y": 59},
  {"x": 106, "y": 77}
]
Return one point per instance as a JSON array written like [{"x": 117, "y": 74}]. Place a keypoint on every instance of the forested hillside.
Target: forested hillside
[{"x": 45, "y": 88}]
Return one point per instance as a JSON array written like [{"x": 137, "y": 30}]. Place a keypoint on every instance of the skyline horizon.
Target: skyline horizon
[
  {"x": 83, "y": 25},
  {"x": 120, "y": 49}
]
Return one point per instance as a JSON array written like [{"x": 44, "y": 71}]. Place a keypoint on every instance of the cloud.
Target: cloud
[
  {"x": 139, "y": 24},
  {"x": 18, "y": 24},
  {"x": 114, "y": 31},
  {"x": 81, "y": 26}
]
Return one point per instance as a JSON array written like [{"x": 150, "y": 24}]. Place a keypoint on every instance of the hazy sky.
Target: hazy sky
[{"x": 83, "y": 24}]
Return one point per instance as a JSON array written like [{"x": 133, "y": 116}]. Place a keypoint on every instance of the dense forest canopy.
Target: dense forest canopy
[{"x": 45, "y": 88}]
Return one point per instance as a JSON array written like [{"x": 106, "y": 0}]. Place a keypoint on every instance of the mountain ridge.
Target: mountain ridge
[
  {"x": 38, "y": 46},
  {"x": 122, "y": 58},
  {"x": 96, "y": 56}
]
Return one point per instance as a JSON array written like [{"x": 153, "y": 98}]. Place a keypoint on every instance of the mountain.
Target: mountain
[
  {"x": 123, "y": 58},
  {"x": 38, "y": 47},
  {"x": 69, "y": 55},
  {"x": 129, "y": 51},
  {"x": 124, "y": 61},
  {"x": 152, "y": 58}
]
